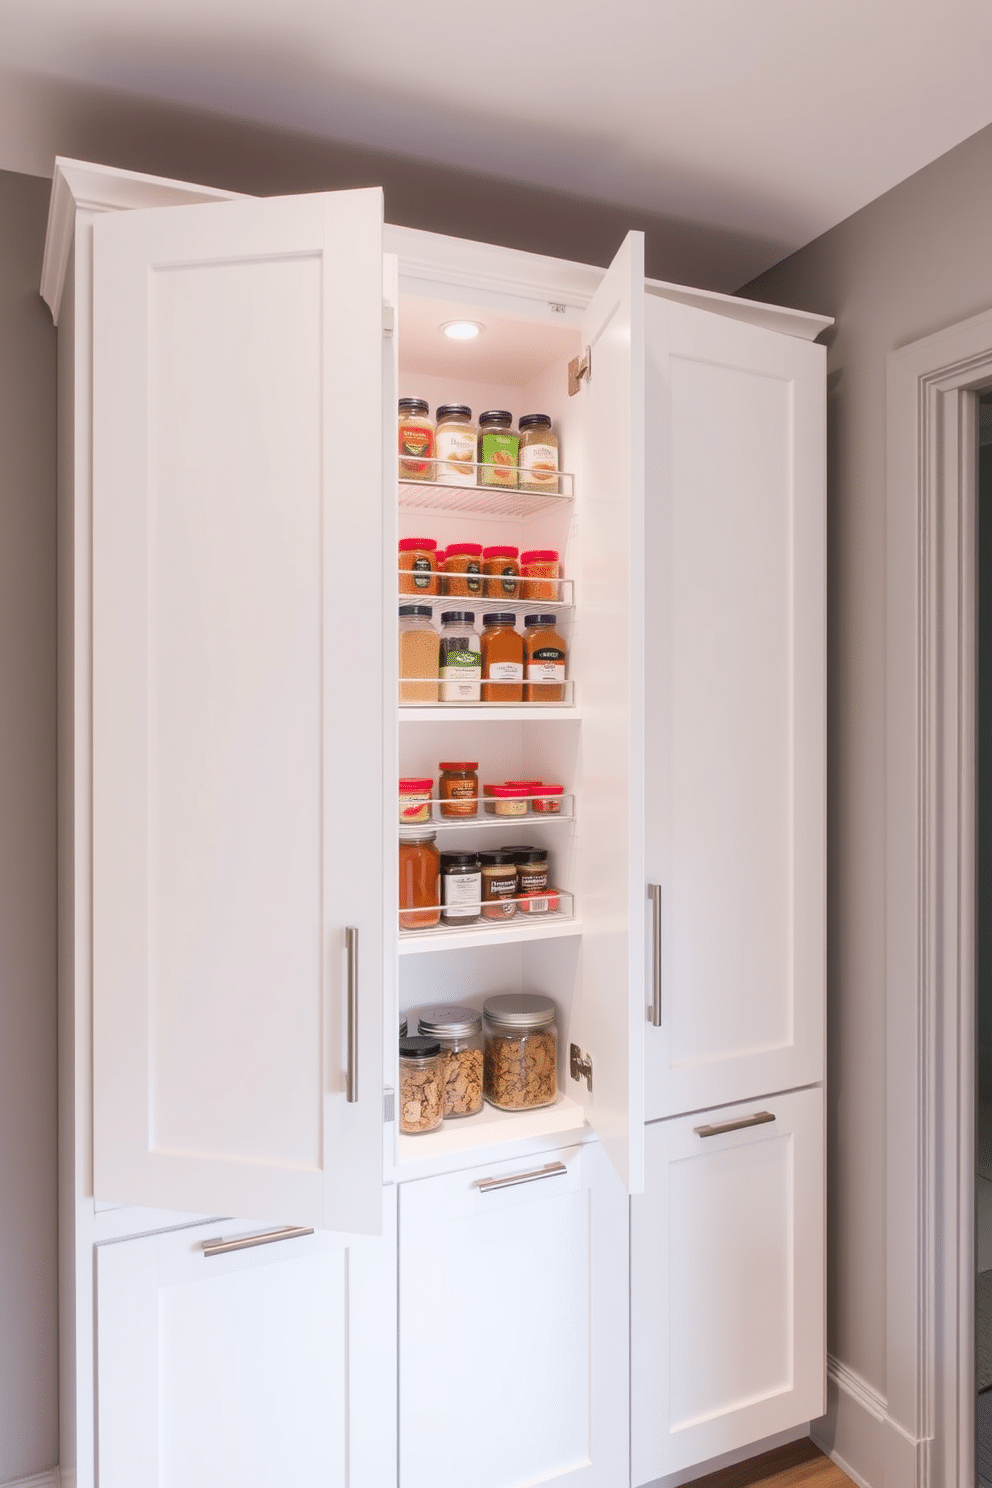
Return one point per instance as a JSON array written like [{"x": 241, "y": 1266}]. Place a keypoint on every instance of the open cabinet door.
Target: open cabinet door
[
  {"x": 237, "y": 725},
  {"x": 607, "y": 1022}
]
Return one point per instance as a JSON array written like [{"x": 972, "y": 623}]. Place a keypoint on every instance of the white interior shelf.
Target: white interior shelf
[
  {"x": 553, "y": 925},
  {"x": 486, "y": 816},
  {"x": 487, "y": 501},
  {"x": 491, "y": 1125},
  {"x": 491, "y": 712}
]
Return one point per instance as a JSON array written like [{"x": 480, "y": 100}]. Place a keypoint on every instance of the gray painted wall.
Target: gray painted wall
[
  {"x": 915, "y": 260},
  {"x": 28, "y": 1261}
]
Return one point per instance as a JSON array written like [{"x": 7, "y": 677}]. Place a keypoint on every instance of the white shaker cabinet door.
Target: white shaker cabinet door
[
  {"x": 606, "y": 1022},
  {"x": 727, "y": 1281},
  {"x": 238, "y": 697},
  {"x": 736, "y": 687},
  {"x": 271, "y": 1366},
  {"x": 513, "y": 1325}
]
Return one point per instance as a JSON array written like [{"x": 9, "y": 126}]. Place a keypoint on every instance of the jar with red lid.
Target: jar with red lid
[
  {"x": 418, "y": 565},
  {"x": 540, "y": 570},
  {"x": 547, "y": 799},
  {"x": 415, "y": 799},
  {"x": 458, "y": 788},
  {"x": 462, "y": 569},
  {"x": 509, "y": 800},
  {"x": 501, "y": 568}
]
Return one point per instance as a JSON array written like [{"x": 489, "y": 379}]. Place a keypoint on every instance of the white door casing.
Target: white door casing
[
  {"x": 736, "y": 697},
  {"x": 237, "y": 676}
]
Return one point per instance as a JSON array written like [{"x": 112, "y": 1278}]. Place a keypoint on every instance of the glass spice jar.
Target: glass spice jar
[
  {"x": 502, "y": 659},
  {"x": 416, "y": 440},
  {"x": 461, "y": 888},
  {"x": 420, "y": 881},
  {"x": 458, "y": 787},
  {"x": 521, "y": 1051},
  {"x": 460, "y": 657},
  {"x": 510, "y": 800},
  {"x": 544, "y": 660},
  {"x": 415, "y": 799},
  {"x": 455, "y": 444},
  {"x": 499, "y": 884},
  {"x": 547, "y": 799},
  {"x": 459, "y": 1032},
  {"x": 421, "y": 1085},
  {"x": 532, "y": 880},
  {"x": 498, "y": 448},
  {"x": 462, "y": 569},
  {"x": 418, "y": 565},
  {"x": 501, "y": 568},
  {"x": 540, "y": 571},
  {"x": 418, "y": 654},
  {"x": 538, "y": 454}
]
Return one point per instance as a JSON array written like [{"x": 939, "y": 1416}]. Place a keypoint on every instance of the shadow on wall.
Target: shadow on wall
[{"x": 167, "y": 139}]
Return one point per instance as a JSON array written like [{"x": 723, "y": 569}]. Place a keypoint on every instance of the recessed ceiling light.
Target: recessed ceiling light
[{"x": 462, "y": 330}]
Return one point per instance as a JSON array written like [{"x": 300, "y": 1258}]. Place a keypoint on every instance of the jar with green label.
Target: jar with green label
[
  {"x": 460, "y": 661},
  {"x": 499, "y": 448}
]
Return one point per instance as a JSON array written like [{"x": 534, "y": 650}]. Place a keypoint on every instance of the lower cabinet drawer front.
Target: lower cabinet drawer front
[
  {"x": 727, "y": 1281},
  {"x": 512, "y": 1332},
  {"x": 240, "y": 1368}
]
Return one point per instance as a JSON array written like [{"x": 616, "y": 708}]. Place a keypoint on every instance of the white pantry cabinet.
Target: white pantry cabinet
[
  {"x": 232, "y": 968},
  {"x": 229, "y": 1358},
  {"x": 727, "y": 1261}
]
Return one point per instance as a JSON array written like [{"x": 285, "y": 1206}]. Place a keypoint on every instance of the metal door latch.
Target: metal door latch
[
  {"x": 580, "y": 1065},
  {"x": 579, "y": 367}
]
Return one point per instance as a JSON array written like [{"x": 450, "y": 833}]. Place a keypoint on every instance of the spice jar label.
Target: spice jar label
[
  {"x": 547, "y": 664},
  {"x": 541, "y": 463},
  {"x": 416, "y": 447},
  {"x": 456, "y": 457},
  {"x": 506, "y": 671},
  {"x": 500, "y": 452},
  {"x": 422, "y": 566},
  {"x": 462, "y": 895},
  {"x": 460, "y": 675}
]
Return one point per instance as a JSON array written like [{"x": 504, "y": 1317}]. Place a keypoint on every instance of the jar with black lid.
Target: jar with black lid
[
  {"x": 416, "y": 440},
  {"x": 455, "y": 443},
  {"x": 421, "y": 1085},
  {"x": 461, "y": 888},
  {"x": 538, "y": 454},
  {"x": 499, "y": 883},
  {"x": 532, "y": 879},
  {"x": 459, "y": 1032}
]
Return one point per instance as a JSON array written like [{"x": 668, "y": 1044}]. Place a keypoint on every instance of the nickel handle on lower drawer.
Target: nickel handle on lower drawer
[
  {"x": 351, "y": 947},
  {"x": 224, "y": 1247},
  {"x": 550, "y": 1170},
  {"x": 654, "y": 894},
  {"x": 758, "y": 1119}
]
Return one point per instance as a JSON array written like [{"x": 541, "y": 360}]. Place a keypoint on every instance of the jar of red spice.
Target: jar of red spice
[
  {"x": 502, "y": 573},
  {"x": 418, "y": 565},
  {"x": 462, "y": 569},
  {"x": 547, "y": 799},
  {"x": 540, "y": 571}
]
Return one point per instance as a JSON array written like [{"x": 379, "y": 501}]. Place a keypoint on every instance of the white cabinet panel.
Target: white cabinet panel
[
  {"x": 736, "y": 707},
  {"x": 727, "y": 1282},
  {"x": 237, "y": 533},
  {"x": 513, "y": 1338},
  {"x": 268, "y": 1367}
]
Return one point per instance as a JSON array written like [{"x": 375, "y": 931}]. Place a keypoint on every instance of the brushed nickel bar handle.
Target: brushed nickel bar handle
[
  {"x": 758, "y": 1119},
  {"x": 351, "y": 946},
  {"x": 550, "y": 1170},
  {"x": 654, "y": 894},
  {"x": 224, "y": 1247}
]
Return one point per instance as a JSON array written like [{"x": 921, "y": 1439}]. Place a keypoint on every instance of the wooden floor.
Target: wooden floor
[{"x": 798, "y": 1465}]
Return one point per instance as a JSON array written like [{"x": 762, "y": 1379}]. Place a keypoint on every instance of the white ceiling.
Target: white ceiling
[{"x": 769, "y": 118}]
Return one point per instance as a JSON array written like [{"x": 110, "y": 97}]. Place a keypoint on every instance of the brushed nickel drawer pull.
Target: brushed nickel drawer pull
[
  {"x": 758, "y": 1119},
  {"x": 550, "y": 1170},
  {"x": 224, "y": 1247}
]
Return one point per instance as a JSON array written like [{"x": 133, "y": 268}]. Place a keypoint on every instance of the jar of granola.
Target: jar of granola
[
  {"x": 421, "y": 1085},
  {"x": 521, "y": 1051},
  {"x": 459, "y": 1032}
]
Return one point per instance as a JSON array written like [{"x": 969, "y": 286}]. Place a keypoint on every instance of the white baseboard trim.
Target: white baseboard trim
[
  {"x": 858, "y": 1434},
  {"x": 49, "y": 1479}
]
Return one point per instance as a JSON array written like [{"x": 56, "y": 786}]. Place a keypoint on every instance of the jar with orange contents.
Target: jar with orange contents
[{"x": 420, "y": 881}]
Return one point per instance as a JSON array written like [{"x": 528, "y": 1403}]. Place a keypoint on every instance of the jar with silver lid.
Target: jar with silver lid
[
  {"x": 421, "y": 1085},
  {"x": 521, "y": 1051},
  {"x": 459, "y": 1032}
]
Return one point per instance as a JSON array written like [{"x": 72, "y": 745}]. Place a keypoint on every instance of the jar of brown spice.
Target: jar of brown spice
[{"x": 502, "y": 659}]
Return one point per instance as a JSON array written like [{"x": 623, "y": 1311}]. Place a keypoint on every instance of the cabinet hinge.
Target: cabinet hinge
[
  {"x": 579, "y": 367},
  {"x": 388, "y": 1106},
  {"x": 580, "y": 1065},
  {"x": 388, "y": 319}
]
